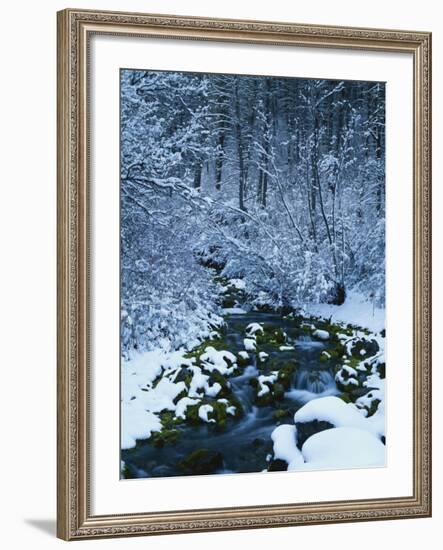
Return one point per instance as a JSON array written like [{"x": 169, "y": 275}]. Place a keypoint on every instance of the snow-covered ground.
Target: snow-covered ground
[{"x": 355, "y": 310}]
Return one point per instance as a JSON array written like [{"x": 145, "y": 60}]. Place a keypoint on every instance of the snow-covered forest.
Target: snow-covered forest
[{"x": 252, "y": 237}]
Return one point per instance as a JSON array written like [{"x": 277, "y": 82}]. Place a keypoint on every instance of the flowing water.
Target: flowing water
[{"x": 246, "y": 442}]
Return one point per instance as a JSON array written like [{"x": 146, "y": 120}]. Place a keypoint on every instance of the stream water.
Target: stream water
[{"x": 246, "y": 442}]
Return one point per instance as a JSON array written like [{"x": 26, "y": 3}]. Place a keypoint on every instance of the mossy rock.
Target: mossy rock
[
  {"x": 373, "y": 408},
  {"x": 370, "y": 347},
  {"x": 218, "y": 343},
  {"x": 336, "y": 351},
  {"x": 201, "y": 461},
  {"x": 271, "y": 335},
  {"x": 276, "y": 392},
  {"x": 279, "y": 414},
  {"x": 286, "y": 373},
  {"x": 165, "y": 437},
  {"x": 345, "y": 397},
  {"x": 217, "y": 377},
  {"x": 242, "y": 361},
  {"x": 185, "y": 375},
  {"x": 169, "y": 420},
  {"x": 192, "y": 414}
]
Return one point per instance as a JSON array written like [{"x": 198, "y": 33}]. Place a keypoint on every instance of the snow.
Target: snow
[
  {"x": 249, "y": 344},
  {"x": 285, "y": 448},
  {"x": 233, "y": 311},
  {"x": 344, "y": 447},
  {"x": 262, "y": 356},
  {"x": 136, "y": 423},
  {"x": 264, "y": 388},
  {"x": 326, "y": 354},
  {"x": 321, "y": 334},
  {"x": 243, "y": 354},
  {"x": 350, "y": 378},
  {"x": 203, "y": 412},
  {"x": 345, "y": 381},
  {"x": 222, "y": 361},
  {"x": 253, "y": 328},
  {"x": 286, "y": 348},
  {"x": 231, "y": 410},
  {"x": 183, "y": 404},
  {"x": 355, "y": 310},
  {"x": 200, "y": 384},
  {"x": 340, "y": 414},
  {"x": 239, "y": 284}
]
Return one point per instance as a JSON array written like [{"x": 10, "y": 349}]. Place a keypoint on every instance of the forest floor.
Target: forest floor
[{"x": 266, "y": 392}]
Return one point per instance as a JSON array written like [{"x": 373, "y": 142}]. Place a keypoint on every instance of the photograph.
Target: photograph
[{"x": 252, "y": 274}]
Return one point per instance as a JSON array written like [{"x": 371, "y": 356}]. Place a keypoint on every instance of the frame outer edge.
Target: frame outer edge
[
  {"x": 72, "y": 513},
  {"x": 63, "y": 272}
]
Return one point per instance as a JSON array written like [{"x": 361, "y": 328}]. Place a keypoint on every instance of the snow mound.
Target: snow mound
[
  {"x": 137, "y": 423},
  {"x": 249, "y": 344},
  {"x": 340, "y": 414},
  {"x": 285, "y": 448},
  {"x": 253, "y": 328},
  {"x": 341, "y": 448},
  {"x": 321, "y": 334},
  {"x": 222, "y": 361}
]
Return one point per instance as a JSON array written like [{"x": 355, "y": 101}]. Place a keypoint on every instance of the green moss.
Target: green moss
[
  {"x": 345, "y": 397},
  {"x": 169, "y": 420},
  {"x": 216, "y": 377},
  {"x": 242, "y": 362},
  {"x": 219, "y": 343},
  {"x": 165, "y": 437},
  {"x": 278, "y": 414},
  {"x": 374, "y": 406},
  {"x": 286, "y": 373},
  {"x": 271, "y": 336},
  {"x": 201, "y": 461},
  {"x": 192, "y": 414}
]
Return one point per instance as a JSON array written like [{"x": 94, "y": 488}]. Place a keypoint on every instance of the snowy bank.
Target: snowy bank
[{"x": 356, "y": 310}]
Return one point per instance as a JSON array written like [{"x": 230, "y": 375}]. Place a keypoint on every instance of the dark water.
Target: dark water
[{"x": 246, "y": 442}]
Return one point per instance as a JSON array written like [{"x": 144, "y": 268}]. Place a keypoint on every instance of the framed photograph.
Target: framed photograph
[{"x": 243, "y": 274}]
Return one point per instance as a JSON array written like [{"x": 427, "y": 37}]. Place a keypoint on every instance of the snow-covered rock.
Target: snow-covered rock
[
  {"x": 321, "y": 334},
  {"x": 285, "y": 448},
  {"x": 183, "y": 404},
  {"x": 249, "y": 344},
  {"x": 262, "y": 379},
  {"x": 344, "y": 447},
  {"x": 335, "y": 411},
  {"x": 137, "y": 423},
  {"x": 253, "y": 328},
  {"x": 203, "y": 412},
  {"x": 222, "y": 361}
]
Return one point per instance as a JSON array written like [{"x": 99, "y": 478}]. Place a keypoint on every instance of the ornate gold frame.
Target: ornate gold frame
[{"x": 74, "y": 518}]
